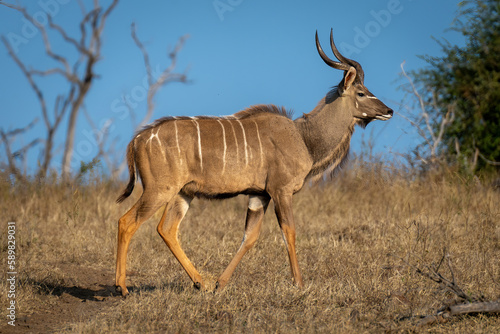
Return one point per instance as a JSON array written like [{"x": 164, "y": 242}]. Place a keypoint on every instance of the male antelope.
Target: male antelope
[{"x": 258, "y": 152}]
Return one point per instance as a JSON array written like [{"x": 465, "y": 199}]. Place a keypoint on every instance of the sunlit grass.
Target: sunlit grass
[{"x": 351, "y": 235}]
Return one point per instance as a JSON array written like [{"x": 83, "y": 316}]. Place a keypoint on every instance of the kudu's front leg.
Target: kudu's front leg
[{"x": 283, "y": 208}]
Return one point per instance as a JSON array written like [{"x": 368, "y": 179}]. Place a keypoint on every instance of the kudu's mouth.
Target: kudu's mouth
[{"x": 386, "y": 116}]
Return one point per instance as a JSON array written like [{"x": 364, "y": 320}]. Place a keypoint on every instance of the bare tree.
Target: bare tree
[
  {"x": 7, "y": 138},
  {"x": 79, "y": 74},
  {"x": 168, "y": 75},
  {"x": 429, "y": 129}
]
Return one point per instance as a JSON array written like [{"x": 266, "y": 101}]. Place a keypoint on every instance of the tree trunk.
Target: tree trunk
[{"x": 73, "y": 116}]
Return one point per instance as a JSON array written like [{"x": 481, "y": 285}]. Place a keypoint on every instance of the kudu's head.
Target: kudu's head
[{"x": 363, "y": 104}]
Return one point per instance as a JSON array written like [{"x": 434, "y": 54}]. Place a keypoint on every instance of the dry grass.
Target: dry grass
[{"x": 351, "y": 235}]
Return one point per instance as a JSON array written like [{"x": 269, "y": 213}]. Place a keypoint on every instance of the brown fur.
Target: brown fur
[
  {"x": 263, "y": 108},
  {"x": 253, "y": 110}
]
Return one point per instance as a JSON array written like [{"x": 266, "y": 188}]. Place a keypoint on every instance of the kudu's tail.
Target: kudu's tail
[{"x": 131, "y": 169}]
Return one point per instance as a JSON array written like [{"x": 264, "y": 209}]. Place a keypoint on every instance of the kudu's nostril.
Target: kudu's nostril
[{"x": 390, "y": 112}]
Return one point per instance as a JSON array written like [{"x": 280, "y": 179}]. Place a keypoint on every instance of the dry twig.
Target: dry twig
[{"x": 466, "y": 304}]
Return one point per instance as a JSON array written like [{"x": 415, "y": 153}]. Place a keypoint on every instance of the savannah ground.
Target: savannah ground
[{"x": 355, "y": 237}]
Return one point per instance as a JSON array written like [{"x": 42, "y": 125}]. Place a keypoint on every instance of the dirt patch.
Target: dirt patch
[{"x": 90, "y": 292}]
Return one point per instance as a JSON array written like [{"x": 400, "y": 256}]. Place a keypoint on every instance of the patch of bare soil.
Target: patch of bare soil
[{"x": 83, "y": 298}]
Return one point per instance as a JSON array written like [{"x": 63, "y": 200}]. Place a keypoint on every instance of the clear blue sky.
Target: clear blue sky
[{"x": 239, "y": 53}]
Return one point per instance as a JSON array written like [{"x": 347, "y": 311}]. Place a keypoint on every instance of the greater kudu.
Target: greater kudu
[{"x": 258, "y": 152}]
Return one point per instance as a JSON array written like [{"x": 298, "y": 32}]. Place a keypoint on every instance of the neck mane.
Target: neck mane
[{"x": 327, "y": 132}]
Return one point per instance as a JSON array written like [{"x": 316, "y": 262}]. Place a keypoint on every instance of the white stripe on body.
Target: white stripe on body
[
  {"x": 235, "y": 140},
  {"x": 199, "y": 141},
  {"x": 260, "y": 145},
  {"x": 225, "y": 146},
  {"x": 245, "y": 139},
  {"x": 154, "y": 135},
  {"x": 150, "y": 140},
  {"x": 177, "y": 142}
]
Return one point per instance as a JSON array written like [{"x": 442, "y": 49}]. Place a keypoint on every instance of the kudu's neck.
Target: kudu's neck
[{"x": 327, "y": 132}]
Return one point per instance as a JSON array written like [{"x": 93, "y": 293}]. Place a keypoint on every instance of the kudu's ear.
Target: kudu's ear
[{"x": 349, "y": 78}]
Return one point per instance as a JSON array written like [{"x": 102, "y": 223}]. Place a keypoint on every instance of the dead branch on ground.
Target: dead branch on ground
[{"x": 466, "y": 304}]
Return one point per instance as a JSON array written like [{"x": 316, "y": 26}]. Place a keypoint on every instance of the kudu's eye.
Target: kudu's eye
[{"x": 361, "y": 94}]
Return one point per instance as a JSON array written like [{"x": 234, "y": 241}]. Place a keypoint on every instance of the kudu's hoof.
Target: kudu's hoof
[
  {"x": 219, "y": 286},
  {"x": 123, "y": 292},
  {"x": 197, "y": 285}
]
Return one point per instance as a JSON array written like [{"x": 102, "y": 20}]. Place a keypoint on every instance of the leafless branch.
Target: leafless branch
[
  {"x": 490, "y": 162},
  {"x": 10, "y": 158},
  {"x": 7, "y": 138},
  {"x": 144, "y": 53},
  {"x": 480, "y": 307},
  {"x": 80, "y": 81},
  {"x": 101, "y": 138},
  {"x": 447, "y": 119},
  {"x": 441, "y": 262},
  {"x": 79, "y": 46},
  {"x": 419, "y": 129},
  {"x": 167, "y": 76},
  {"x": 95, "y": 19},
  {"x": 435, "y": 276},
  {"x": 18, "y": 131},
  {"x": 69, "y": 76},
  {"x": 443, "y": 316},
  {"x": 428, "y": 131},
  {"x": 423, "y": 111},
  {"x": 105, "y": 16},
  {"x": 82, "y": 7},
  {"x": 51, "y": 126},
  {"x": 29, "y": 76},
  {"x": 22, "y": 151},
  {"x": 45, "y": 37},
  {"x": 466, "y": 305}
]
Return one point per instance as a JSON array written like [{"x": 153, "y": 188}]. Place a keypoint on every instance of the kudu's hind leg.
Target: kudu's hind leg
[
  {"x": 283, "y": 207},
  {"x": 128, "y": 224},
  {"x": 257, "y": 206},
  {"x": 168, "y": 229}
]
